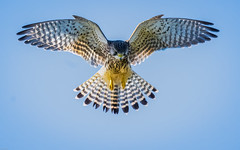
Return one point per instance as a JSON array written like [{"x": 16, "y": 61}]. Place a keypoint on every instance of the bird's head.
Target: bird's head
[{"x": 118, "y": 49}]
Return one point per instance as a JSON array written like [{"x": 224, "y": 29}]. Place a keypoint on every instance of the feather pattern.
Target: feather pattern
[
  {"x": 72, "y": 35},
  {"x": 96, "y": 91},
  {"x": 116, "y": 85},
  {"x": 159, "y": 33}
]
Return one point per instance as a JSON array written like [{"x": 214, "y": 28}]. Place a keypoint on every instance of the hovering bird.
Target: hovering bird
[{"x": 116, "y": 84}]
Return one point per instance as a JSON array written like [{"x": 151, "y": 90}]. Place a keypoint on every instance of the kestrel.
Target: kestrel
[{"x": 116, "y": 83}]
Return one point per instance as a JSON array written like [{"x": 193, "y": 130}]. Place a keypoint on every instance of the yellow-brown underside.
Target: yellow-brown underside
[{"x": 120, "y": 78}]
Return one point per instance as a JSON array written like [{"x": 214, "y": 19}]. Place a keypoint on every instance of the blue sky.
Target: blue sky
[{"x": 197, "y": 106}]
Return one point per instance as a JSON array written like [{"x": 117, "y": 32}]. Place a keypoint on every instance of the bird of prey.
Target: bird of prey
[{"x": 116, "y": 84}]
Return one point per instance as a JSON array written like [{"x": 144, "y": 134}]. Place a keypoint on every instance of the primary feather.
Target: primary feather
[{"x": 160, "y": 33}]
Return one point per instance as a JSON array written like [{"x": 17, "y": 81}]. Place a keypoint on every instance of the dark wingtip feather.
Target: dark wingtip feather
[
  {"x": 42, "y": 45},
  {"x": 79, "y": 18},
  {"x": 144, "y": 102},
  {"x": 205, "y": 37},
  {"x": 154, "y": 90},
  {"x": 29, "y": 25},
  {"x": 115, "y": 110},
  {"x": 156, "y": 17},
  {"x": 211, "y": 29},
  {"x": 96, "y": 105},
  {"x": 27, "y": 42},
  {"x": 87, "y": 101},
  {"x": 52, "y": 48},
  {"x": 24, "y": 38},
  {"x": 206, "y": 23},
  {"x": 211, "y": 35},
  {"x": 200, "y": 40},
  {"x": 80, "y": 95},
  {"x": 152, "y": 96},
  {"x": 77, "y": 89},
  {"x": 125, "y": 109},
  {"x": 135, "y": 106},
  {"x": 24, "y": 32},
  {"x": 194, "y": 42},
  {"x": 34, "y": 42},
  {"x": 105, "y": 109}
]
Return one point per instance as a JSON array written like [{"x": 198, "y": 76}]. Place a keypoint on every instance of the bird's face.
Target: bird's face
[
  {"x": 119, "y": 49},
  {"x": 118, "y": 54}
]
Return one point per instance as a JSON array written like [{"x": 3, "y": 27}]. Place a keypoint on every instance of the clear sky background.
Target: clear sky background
[{"x": 197, "y": 107}]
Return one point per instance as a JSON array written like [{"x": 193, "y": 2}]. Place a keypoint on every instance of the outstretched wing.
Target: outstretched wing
[
  {"x": 159, "y": 33},
  {"x": 79, "y": 36}
]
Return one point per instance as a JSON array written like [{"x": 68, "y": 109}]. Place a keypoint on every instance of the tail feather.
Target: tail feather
[
  {"x": 98, "y": 100},
  {"x": 103, "y": 93},
  {"x": 123, "y": 100},
  {"x": 145, "y": 87},
  {"x": 139, "y": 94},
  {"x": 131, "y": 95},
  {"x": 107, "y": 100},
  {"x": 94, "y": 96},
  {"x": 92, "y": 86},
  {"x": 87, "y": 86},
  {"x": 115, "y": 100},
  {"x": 99, "y": 93},
  {"x": 87, "y": 83}
]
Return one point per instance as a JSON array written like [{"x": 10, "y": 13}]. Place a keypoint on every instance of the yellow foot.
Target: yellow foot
[
  {"x": 123, "y": 85},
  {"x": 123, "y": 82},
  {"x": 111, "y": 85}
]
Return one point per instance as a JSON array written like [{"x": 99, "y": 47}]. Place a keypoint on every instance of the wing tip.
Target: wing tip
[
  {"x": 29, "y": 25},
  {"x": 211, "y": 29},
  {"x": 155, "y": 90},
  {"x": 205, "y": 22},
  {"x": 76, "y": 89},
  {"x": 80, "y": 95},
  {"x": 115, "y": 110},
  {"x": 152, "y": 96},
  {"x": 24, "y": 32},
  {"x": 156, "y": 17},
  {"x": 24, "y": 38},
  {"x": 75, "y": 16},
  {"x": 79, "y": 18},
  {"x": 95, "y": 105},
  {"x": 125, "y": 109}
]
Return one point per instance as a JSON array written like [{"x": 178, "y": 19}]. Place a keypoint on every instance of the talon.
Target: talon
[
  {"x": 111, "y": 85},
  {"x": 123, "y": 85},
  {"x": 124, "y": 80}
]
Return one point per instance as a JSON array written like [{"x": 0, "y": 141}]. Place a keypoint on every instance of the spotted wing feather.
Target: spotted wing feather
[
  {"x": 79, "y": 36},
  {"x": 159, "y": 33}
]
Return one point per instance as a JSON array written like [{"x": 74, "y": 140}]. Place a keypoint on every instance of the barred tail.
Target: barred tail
[
  {"x": 133, "y": 92},
  {"x": 98, "y": 92}
]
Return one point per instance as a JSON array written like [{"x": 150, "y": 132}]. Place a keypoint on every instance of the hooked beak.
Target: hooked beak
[{"x": 120, "y": 55}]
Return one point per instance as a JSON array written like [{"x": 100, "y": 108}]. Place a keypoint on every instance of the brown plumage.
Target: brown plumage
[{"x": 116, "y": 85}]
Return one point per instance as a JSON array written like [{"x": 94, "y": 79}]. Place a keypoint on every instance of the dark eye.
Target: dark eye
[{"x": 114, "y": 53}]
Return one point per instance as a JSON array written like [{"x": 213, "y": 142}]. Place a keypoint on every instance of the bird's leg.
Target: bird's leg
[
  {"x": 111, "y": 84},
  {"x": 123, "y": 82}
]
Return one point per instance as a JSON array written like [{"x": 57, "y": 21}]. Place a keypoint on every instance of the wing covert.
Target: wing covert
[
  {"x": 159, "y": 33},
  {"x": 79, "y": 36}
]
